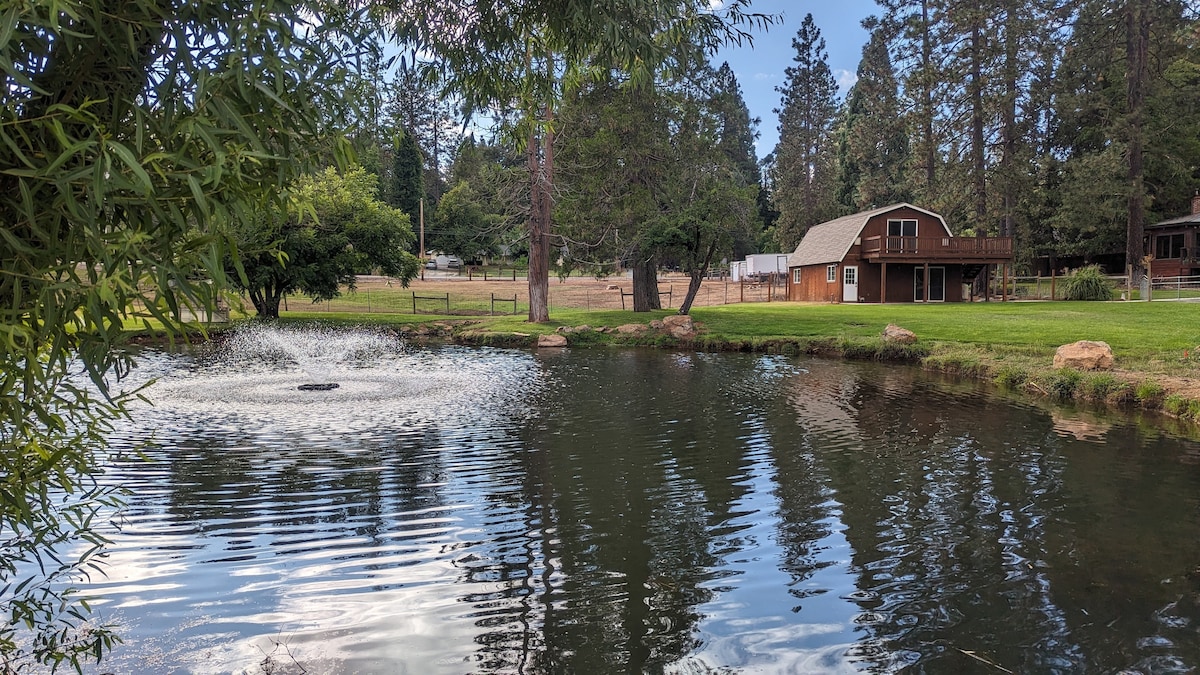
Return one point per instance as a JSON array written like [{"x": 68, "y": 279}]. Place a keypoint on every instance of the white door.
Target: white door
[{"x": 850, "y": 284}]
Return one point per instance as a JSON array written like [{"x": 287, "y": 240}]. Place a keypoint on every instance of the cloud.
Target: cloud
[
  {"x": 845, "y": 79},
  {"x": 714, "y": 5},
  {"x": 764, "y": 76}
]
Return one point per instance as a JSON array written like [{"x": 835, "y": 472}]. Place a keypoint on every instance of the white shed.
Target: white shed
[{"x": 758, "y": 264}]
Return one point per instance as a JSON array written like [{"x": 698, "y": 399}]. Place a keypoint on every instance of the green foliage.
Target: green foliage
[
  {"x": 1011, "y": 377},
  {"x": 1105, "y": 387},
  {"x": 407, "y": 186},
  {"x": 334, "y": 229},
  {"x": 465, "y": 226},
  {"x": 803, "y": 173},
  {"x": 872, "y": 140},
  {"x": 1063, "y": 383},
  {"x": 132, "y": 136},
  {"x": 1182, "y": 406},
  {"x": 1150, "y": 393},
  {"x": 1087, "y": 283}
]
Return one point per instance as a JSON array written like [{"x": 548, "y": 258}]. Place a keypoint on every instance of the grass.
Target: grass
[{"x": 1140, "y": 331}]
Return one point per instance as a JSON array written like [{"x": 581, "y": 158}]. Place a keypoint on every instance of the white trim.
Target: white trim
[
  {"x": 831, "y": 274},
  {"x": 868, "y": 215},
  {"x": 849, "y": 273}
]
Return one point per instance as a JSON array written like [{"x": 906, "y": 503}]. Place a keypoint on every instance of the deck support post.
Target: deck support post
[
  {"x": 925, "y": 283},
  {"x": 883, "y": 283}
]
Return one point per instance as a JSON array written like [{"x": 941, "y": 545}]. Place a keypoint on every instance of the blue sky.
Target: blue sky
[{"x": 759, "y": 69}]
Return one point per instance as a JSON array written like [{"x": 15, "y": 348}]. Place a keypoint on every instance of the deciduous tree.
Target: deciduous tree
[
  {"x": 131, "y": 135},
  {"x": 334, "y": 229}
]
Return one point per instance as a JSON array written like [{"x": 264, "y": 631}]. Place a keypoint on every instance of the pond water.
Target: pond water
[{"x": 601, "y": 511}]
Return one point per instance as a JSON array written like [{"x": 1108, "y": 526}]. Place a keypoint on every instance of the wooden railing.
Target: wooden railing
[{"x": 937, "y": 247}]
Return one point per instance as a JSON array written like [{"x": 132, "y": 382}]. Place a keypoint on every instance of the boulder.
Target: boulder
[
  {"x": 675, "y": 320},
  {"x": 583, "y": 329},
  {"x": 631, "y": 328},
  {"x": 552, "y": 340},
  {"x": 1084, "y": 355},
  {"x": 680, "y": 326},
  {"x": 894, "y": 333}
]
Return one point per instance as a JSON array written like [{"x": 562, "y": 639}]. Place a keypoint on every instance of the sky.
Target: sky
[{"x": 759, "y": 68}]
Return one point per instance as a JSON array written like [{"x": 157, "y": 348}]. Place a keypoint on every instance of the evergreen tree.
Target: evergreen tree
[
  {"x": 407, "y": 186},
  {"x": 737, "y": 133},
  {"x": 419, "y": 106},
  {"x": 873, "y": 144},
  {"x": 1127, "y": 90},
  {"x": 803, "y": 177}
]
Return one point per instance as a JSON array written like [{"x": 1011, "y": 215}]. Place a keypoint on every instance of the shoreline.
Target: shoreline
[{"x": 1118, "y": 389}]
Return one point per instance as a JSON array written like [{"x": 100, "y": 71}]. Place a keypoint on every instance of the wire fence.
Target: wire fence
[
  {"x": 1054, "y": 288},
  {"x": 474, "y": 295}
]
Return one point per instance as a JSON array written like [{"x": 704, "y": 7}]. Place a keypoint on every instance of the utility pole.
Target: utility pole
[{"x": 421, "y": 220}]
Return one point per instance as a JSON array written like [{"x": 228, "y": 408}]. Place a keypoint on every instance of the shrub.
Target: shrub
[{"x": 1087, "y": 283}]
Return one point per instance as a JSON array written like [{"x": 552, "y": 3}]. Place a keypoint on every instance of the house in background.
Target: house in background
[
  {"x": 898, "y": 253},
  {"x": 1173, "y": 245}
]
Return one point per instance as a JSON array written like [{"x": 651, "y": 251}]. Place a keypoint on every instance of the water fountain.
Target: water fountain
[
  {"x": 318, "y": 351},
  {"x": 321, "y": 378}
]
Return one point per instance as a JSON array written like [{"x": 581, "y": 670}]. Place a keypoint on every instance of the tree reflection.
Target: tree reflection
[{"x": 620, "y": 523}]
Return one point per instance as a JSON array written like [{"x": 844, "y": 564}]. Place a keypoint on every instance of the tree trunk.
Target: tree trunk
[
  {"x": 697, "y": 278},
  {"x": 927, "y": 111},
  {"x": 978, "y": 157},
  {"x": 266, "y": 302},
  {"x": 645, "y": 285},
  {"x": 1137, "y": 37},
  {"x": 539, "y": 228},
  {"x": 1012, "y": 71}
]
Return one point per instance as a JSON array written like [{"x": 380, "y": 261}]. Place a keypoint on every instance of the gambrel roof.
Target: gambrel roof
[{"x": 829, "y": 242}]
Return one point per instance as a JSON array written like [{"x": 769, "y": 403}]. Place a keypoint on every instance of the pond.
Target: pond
[{"x": 456, "y": 510}]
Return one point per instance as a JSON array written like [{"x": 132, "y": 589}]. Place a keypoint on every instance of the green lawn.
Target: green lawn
[{"x": 1135, "y": 329}]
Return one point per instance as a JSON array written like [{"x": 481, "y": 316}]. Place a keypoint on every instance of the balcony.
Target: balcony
[{"x": 937, "y": 249}]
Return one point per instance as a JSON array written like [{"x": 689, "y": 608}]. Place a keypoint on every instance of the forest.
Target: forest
[{"x": 1068, "y": 126}]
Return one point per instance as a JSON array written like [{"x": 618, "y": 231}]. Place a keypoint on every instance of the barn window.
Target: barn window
[
  {"x": 795, "y": 275},
  {"x": 831, "y": 274}
]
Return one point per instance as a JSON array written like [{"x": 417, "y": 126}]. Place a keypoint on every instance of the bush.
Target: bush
[{"x": 1087, "y": 283}]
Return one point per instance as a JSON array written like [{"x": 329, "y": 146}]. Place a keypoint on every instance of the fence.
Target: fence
[
  {"x": 1053, "y": 288},
  {"x": 469, "y": 295}
]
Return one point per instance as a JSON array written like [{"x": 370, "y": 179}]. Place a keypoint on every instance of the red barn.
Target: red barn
[{"x": 886, "y": 255}]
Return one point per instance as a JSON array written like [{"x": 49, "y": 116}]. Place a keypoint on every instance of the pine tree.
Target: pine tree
[
  {"x": 803, "y": 178},
  {"x": 737, "y": 133},
  {"x": 873, "y": 145}
]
